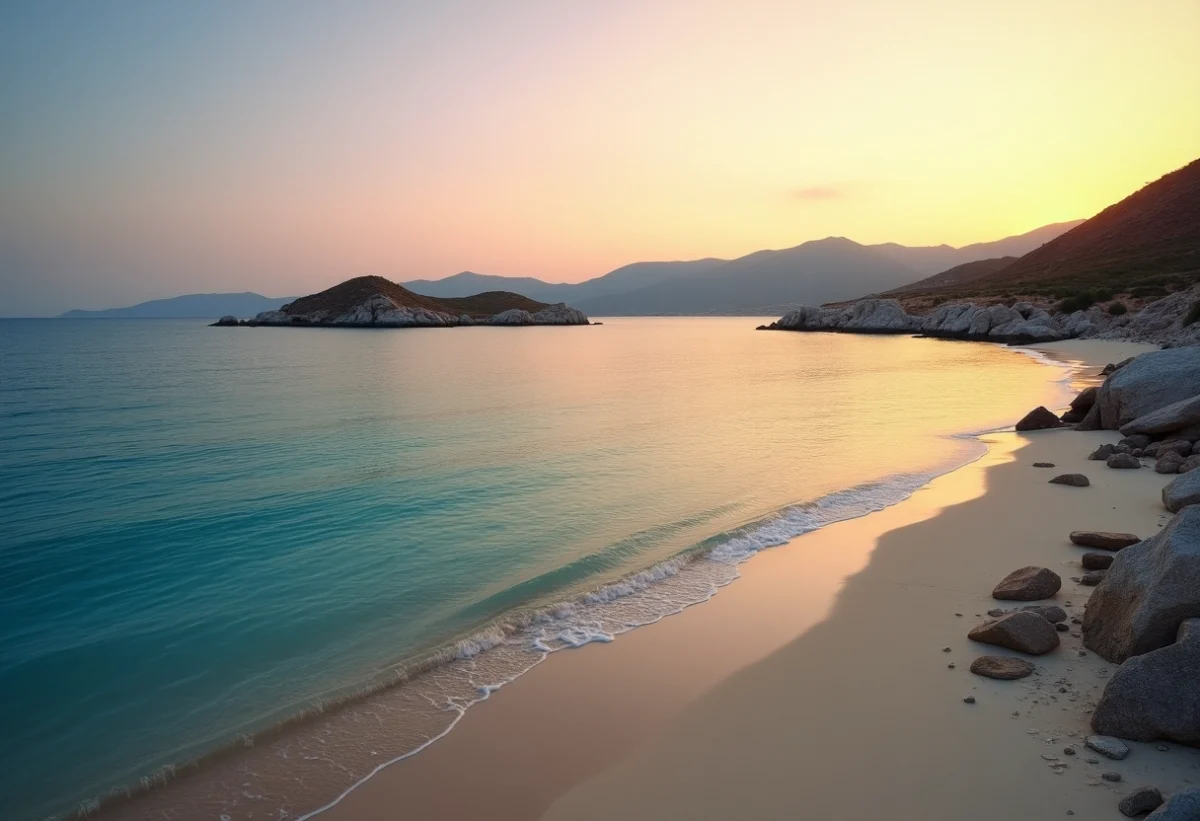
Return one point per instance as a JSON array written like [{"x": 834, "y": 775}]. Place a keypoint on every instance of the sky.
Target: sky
[{"x": 149, "y": 149}]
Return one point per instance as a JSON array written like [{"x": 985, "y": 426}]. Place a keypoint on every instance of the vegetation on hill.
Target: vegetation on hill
[{"x": 342, "y": 298}]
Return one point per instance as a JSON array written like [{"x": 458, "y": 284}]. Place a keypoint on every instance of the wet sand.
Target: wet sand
[{"x": 817, "y": 682}]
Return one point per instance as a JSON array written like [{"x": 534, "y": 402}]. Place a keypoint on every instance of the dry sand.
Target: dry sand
[{"x": 817, "y": 686}]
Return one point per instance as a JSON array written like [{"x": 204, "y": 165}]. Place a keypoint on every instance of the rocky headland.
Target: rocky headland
[
  {"x": 375, "y": 302},
  {"x": 1169, "y": 321}
]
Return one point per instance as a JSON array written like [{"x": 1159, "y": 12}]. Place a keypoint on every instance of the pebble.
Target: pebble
[
  {"x": 1111, "y": 776},
  {"x": 959, "y": 615},
  {"x": 950, "y": 665},
  {"x": 1091, "y": 759},
  {"x": 1107, "y": 746},
  {"x": 945, "y": 649},
  {"x": 969, "y": 700},
  {"x": 1049, "y": 757},
  {"x": 1162, "y": 748},
  {"x": 1069, "y": 750}
]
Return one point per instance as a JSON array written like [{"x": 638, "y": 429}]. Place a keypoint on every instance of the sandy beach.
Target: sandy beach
[{"x": 819, "y": 683}]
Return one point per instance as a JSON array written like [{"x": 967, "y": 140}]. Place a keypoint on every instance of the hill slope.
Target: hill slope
[
  {"x": 937, "y": 258},
  {"x": 189, "y": 306},
  {"x": 345, "y": 297},
  {"x": 763, "y": 282},
  {"x": 957, "y": 276}
]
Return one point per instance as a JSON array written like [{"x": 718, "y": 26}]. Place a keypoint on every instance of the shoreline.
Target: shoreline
[{"x": 480, "y": 754}]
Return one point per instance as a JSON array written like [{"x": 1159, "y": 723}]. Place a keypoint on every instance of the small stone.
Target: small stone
[
  {"x": 1072, "y": 479},
  {"x": 1163, "y": 748},
  {"x": 1043, "y": 464},
  {"x": 1093, "y": 577},
  {"x": 1123, "y": 461},
  {"x": 1049, "y": 757},
  {"x": 1111, "y": 776},
  {"x": 1108, "y": 746},
  {"x": 969, "y": 700},
  {"x": 950, "y": 665},
  {"x": 1001, "y": 667},
  {"x": 945, "y": 649},
  {"x": 996, "y": 612},
  {"x": 1141, "y": 800},
  {"x": 1028, "y": 584},
  {"x": 1103, "y": 539},
  {"x": 1091, "y": 759},
  {"x": 1068, "y": 750},
  {"x": 1062, "y": 627},
  {"x": 959, "y": 615},
  {"x": 1096, "y": 561}
]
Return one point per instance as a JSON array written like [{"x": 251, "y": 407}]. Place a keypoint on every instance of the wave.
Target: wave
[{"x": 434, "y": 691}]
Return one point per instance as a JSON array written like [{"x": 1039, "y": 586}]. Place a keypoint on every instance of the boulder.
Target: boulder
[
  {"x": 513, "y": 316},
  {"x": 1188, "y": 464},
  {"x": 560, "y": 314},
  {"x": 1096, "y": 561},
  {"x": 1107, "y": 746},
  {"x": 1072, "y": 479},
  {"x": 1136, "y": 442},
  {"x": 1150, "y": 589},
  {"x": 1123, "y": 461},
  {"x": 1001, "y": 667},
  {"x": 1028, "y": 584},
  {"x": 1169, "y": 462},
  {"x": 1181, "y": 446},
  {"x": 1039, "y": 419},
  {"x": 1150, "y": 382},
  {"x": 465, "y": 320},
  {"x": 1182, "y": 491},
  {"x": 226, "y": 321},
  {"x": 1072, "y": 417},
  {"x": 1093, "y": 577},
  {"x": 1084, "y": 401},
  {"x": 1177, "y": 416},
  {"x": 1153, "y": 696},
  {"x": 1050, "y": 612},
  {"x": 1022, "y": 631},
  {"x": 1103, "y": 539},
  {"x": 1182, "y": 806},
  {"x": 1101, "y": 453},
  {"x": 1151, "y": 450},
  {"x": 1140, "y": 801},
  {"x": 1121, "y": 447}
]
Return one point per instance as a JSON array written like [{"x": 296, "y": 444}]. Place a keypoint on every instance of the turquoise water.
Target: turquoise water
[{"x": 208, "y": 531}]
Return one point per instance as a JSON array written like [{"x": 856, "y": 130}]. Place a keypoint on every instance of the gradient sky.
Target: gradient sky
[{"x": 149, "y": 149}]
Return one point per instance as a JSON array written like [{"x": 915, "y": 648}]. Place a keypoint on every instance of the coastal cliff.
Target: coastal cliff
[
  {"x": 375, "y": 302},
  {"x": 1169, "y": 321}
]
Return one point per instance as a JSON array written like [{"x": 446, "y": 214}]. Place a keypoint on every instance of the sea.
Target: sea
[{"x": 242, "y": 569}]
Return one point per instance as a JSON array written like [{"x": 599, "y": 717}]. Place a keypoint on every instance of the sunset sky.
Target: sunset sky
[{"x": 149, "y": 149}]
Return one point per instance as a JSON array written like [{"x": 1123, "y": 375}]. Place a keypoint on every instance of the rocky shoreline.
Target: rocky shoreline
[
  {"x": 1144, "y": 612},
  {"x": 1169, "y": 322}
]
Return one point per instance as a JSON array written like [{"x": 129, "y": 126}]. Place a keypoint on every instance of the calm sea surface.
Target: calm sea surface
[{"x": 206, "y": 532}]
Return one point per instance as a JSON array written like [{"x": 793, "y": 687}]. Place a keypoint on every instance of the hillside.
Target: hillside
[
  {"x": 189, "y": 306},
  {"x": 957, "y": 276},
  {"x": 764, "y": 282},
  {"x": 348, "y": 296},
  {"x": 933, "y": 259}
]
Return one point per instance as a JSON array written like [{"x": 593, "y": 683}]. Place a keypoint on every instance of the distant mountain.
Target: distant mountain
[
  {"x": 763, "y": 282},
  {"x": 931, "y": 259},
  {"x": 189, "y": 306},
  {"x": 468, "y": 283},
  {"x": 957, "y": 276}
]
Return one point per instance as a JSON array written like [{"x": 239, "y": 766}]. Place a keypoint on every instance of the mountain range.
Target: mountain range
[{"x": 763, "y": 282}]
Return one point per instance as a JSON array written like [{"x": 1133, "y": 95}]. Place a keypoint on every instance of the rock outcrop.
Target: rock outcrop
[
  {"x": 1151, "y": 382},
  {"x": 1149, "y": 590},
  {"x": 1182, "y": 806},
  {"x": 1182, "y": 492},
  {"x": 1154, "y": 696},
  {"x": 996, "y": 323}
]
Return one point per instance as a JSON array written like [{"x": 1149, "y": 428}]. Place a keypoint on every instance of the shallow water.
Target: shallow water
[{"x": 209, "y": 531}]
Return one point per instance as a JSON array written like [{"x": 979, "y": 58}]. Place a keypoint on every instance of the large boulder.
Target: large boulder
[
  {"x": 1149, "y": 590},
  {"x": 1181, "y": 492},
  {"x": 1039, "y": 419},
  {"x": 1149, "y": 383},
  {"x": 1123, "y": 461},
  {"x": 1022, "y": 631},
  {"x": 1167, "y": 419},
  {"x": 1182, "y": 806},
  {"x": 1154, "y": 696},
  {"x": 1028, "y": 584},
  {"x": 1084, "y": 401}
]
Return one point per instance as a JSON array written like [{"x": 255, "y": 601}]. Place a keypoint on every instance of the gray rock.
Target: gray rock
[
  {"x": 969, "y": 700},
  {"x": 1181, "y": 446},
  {"x": 1039, "y": 419},
  {"x": 1101, "y": 453},
  {"x": 1122, "y": 448},
  {"x": 1150, "y": 589},
  {"x": 226, "y": 321},
  {"x": 1028, "y": 584},
  {"x": 1182, "y": 806},
  {"x": 1123, "y": 461},
  {"x": 1154, "y": 695},
  {"x": 1168, "y": 462},
  {"x": 1062, "y": 627},
  {"x": 1093, "y": 577},
  {"x": 1096, "y": 561},
  {"x": 1107, "y": 746},
  {"x": 513, "y": 316},
  {"x": 1196, "y": 447},
  {"x": 1043, "y": 464},
  {"x": 1072, "y": 479},
  {"x": 1190, "y": 463},
  {"x": 1137, "y": 440},
  {"x": 1001, "y": 667},
  {"x": 1167, "y": 419},
  {"x": 1084, "y": 401},
  {"x": 560, "y": 314},
  {"x": 1022, "y": 631},
  {"x": 1050, "y": 612},
  {"x": 1103, "y": 539},
  {"x": 1151, "y": 450},
  {"x": 1182, "y": 491},
  {"x": 1151, "y": 381},
  {"x": 1140, "y": 801},
  {"x": 1111, "y": 776}
]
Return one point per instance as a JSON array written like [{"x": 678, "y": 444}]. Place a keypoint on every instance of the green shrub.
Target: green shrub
[
  {"x": 1192, "y": 315},
  {"x": 1117, "y": 308},
  {"x": 1143, "y": 291},
  {"x": 1103, "y": 295}
]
